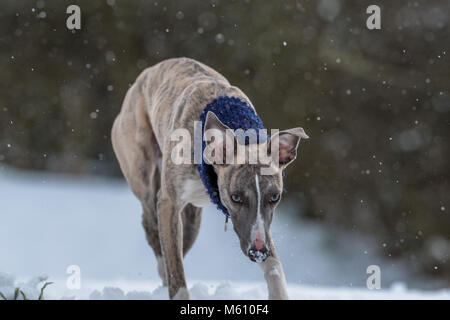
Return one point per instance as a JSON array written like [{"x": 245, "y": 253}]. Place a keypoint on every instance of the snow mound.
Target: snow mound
[{"x": 199, "y": 291}]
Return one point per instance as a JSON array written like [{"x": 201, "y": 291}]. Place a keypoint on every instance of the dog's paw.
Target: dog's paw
[{"x": 281, "y": 295}]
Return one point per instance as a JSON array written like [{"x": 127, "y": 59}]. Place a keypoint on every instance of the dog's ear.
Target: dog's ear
[
  {"x": 219, "y": 140},
  {"x": 288, "y": 141}
]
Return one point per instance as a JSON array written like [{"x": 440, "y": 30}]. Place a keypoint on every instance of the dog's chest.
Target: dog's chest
[{"x": 195, "y": 193}]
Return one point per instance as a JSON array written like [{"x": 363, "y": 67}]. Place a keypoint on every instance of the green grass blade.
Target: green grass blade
[
  {"x": 41, "y": 296},
  {"x": 3, "y": 296},
  {"x": 23, "y": 295}
]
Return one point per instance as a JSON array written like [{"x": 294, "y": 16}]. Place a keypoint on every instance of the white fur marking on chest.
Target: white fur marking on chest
[{"x": 195, "y": 193}]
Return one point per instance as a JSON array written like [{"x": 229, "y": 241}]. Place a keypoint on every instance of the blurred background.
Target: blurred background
[{"x": 375, "y": 103}]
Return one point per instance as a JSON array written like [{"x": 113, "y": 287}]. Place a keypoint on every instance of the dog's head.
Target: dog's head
[{"x": 251, "y": 191}]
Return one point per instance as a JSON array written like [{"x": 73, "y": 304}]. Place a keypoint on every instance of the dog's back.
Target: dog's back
[{"x": 175, "y": 91}]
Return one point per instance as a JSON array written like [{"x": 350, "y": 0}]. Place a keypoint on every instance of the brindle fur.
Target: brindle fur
[{"x": 167, "y": 96}]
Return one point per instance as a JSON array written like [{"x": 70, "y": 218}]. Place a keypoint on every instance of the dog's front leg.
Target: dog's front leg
[
  {"x": 171, "y": 237},
  {"x": 274, "y": 275}
]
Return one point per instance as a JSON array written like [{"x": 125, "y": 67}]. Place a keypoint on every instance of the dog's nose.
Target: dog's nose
[
  {"x": 259, "y": 241},
  {"x": 258, "y": 255}
]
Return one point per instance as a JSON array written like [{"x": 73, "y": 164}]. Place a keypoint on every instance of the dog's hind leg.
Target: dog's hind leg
[
  {"x": 191, "y": 217},
  {"x": 149, "y": 205},
  {"x": 150, "y": 224}
]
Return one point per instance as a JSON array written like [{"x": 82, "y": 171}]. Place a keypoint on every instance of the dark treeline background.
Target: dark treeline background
[{"x": 375, "y": 102}]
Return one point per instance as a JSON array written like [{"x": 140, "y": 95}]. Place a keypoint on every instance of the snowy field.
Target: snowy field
[{"x": 48, "y": 222}]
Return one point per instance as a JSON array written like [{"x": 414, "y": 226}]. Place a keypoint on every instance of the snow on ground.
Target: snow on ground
[
  {"x": 206, "y": 290},
  {"x": 49, "y": 222}
]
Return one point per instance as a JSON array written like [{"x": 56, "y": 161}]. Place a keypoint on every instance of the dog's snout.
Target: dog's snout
[{"x": 258, "y": 255}]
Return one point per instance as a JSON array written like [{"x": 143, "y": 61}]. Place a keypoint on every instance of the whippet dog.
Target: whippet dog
[{"x": 169, "y": 96}]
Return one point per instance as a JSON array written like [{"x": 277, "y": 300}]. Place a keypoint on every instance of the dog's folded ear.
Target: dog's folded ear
[
  {"x": 288, "y": 141},
  {"x": 212, "y": 122},
  {"x": 219, "y": 140}
]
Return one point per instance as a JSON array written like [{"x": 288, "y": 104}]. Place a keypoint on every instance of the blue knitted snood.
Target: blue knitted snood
[{"x": 236, "y": 114}]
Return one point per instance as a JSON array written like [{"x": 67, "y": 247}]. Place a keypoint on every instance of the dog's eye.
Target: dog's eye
[
  {"x": 236, "y": 198},
  {"x": 275, "y": 197}
]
